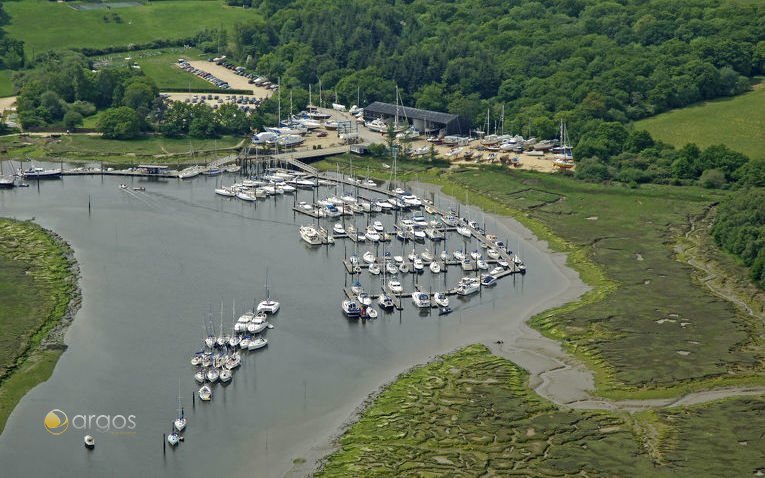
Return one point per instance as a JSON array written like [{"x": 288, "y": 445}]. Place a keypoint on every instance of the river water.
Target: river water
[{"x": 156, "y": 265}]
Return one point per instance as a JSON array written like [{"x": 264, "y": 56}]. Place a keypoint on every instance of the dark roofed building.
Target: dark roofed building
[{"x": 423, "y": 120}]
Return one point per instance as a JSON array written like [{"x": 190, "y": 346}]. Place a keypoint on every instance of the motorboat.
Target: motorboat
[
  {"x": 258, "y": 324},
  {"x": 467, "y": 265},
  {"x": 497, "y": 271},
  {"x": 374, "y": 268},
  {"x": 391, "y": 268},
  {"x": 435, "y": 267},
  {"x": 421, "y": 299},
  {"x": 450, "y": 220},
  {"x": 351, "y": 308},
  {"x": 418, "y": 234},
  {"x": 492, "y": 253},
  {"x": 444, "y": 311},
  {"x": 225, "y": 192},
  {"x": 488, "y": 280},
  {"x": 369, "y": 312},
  {"x": 395, "y": 286},
  {"x": 90, "y": 442},
  {"x": 372, "y": 234},
  {"x": 205, "y": 393},
  {"x": 369, "y": 257},
  {"x": 398, "y": 259},
  {"x": 378, "y": 226},
  {"x": 434, "y": 234},
  {"x": 310, "y": 235},
  {"x": 364, "y": 298},
  {"x": 459, "y": 255},
  {"x": 475, "y": 255},
  {"x": 468, "y": 287},
  {"x": 385, "y": 302},
  {"x": 503, "y": 263},
  {"x": 464, "y": 231},
  {"x": 402, "y": 234},
  {"x": 440, "y": 299},
  {"x": 338, "y": 229},
  {"x": 257, "y": 343},
  {"x": 404, "y": 267},
  {"x": 418, "y": 265}
]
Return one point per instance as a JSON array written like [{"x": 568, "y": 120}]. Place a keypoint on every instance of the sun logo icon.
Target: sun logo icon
[{"x": 56, "y": 422}]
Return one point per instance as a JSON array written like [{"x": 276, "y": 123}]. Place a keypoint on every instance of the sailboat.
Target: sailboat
[
  {"x": 564, "y": 159},
  {"x": 268, "y": 306},
  {"x": 180, "y": 422}
]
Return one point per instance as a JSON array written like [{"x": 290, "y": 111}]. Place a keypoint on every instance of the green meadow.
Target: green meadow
[
  {"x": 161, "y": 65},
  {"x": 737, "y": 122},
  {"x": 470, "y": 414},
  {"x": 45, "y": 25}
]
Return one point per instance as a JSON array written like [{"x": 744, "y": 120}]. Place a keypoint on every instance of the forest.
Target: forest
[{"x": 739, "y": 228}]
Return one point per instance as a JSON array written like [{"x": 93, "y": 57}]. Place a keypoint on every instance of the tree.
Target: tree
[
  {"x": 119, "y": 123},
  {"x": 712, "y": 179},
  {"x": 72, "y": 119}
]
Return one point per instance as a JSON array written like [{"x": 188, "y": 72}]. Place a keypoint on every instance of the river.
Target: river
[{"x": 155, "y": 265}]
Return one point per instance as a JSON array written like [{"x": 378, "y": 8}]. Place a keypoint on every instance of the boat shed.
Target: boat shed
[{"x": 423, "y": 120}]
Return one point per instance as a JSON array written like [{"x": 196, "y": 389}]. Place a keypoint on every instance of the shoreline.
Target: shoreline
[
  {"x": 531, "y": 355},
  {"x": 53, "y": 339}
]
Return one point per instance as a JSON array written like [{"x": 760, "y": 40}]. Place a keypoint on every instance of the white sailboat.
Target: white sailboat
[
  {"x": 180, "y": 422},
  {"x": 268, "y": 306}
]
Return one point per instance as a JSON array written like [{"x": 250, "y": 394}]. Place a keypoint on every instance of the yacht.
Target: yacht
[
  {"x": 225, "y": 375},
  {"x": 468, "y": 287},
  {"x": 464, "y": 231},
  {"x": 268, "y": 306},
  {"x": 374, "y": 268},
  {"x": 364, "y": 299},
  {"x": 497, "y": 271},
  {"x": 492, "y": 253},
  {"x": 482, "y": 265},
  {"x": 40, "y": 173},
  {"x": 419, "y": 267},
  {"x": 395, "y": 286},
  {"x": 421, "y": 299},
  {"x": 418, "y": 235},
  {"x": 338, "y": 229},
  {"x": 258, "y": 324},
  {"x": 435, "y": 267},
  {"x": 434, "y": 234},
  {"x": 310, "y": 235},
  {"x": 459, "y": 255},
  {"x": 398, "y": 259},
  {"x": 377, "y": 125},
  {"x": 369, "y": 312},
  {"x": 378, "y": 226},
  {"x": 257, "y": 343},
  {"x": 205, "y": 393},
  {"x": 444, "y": 255},
  {"x": 440, "y": 299},
  {"x": 450, "y": 220},
  {"x": 488, "y": 280},
  {"x": 369, "y": 257},
  {"x": 199, "y": 376},
  {"x": 391, "y": 268},
  {"x": 404, "y": 267},
  {"x": 212, "y": 375},
  {"x": 385, "y": 301},
  {"x": 351, "y": 308},
  {"x": 467, "y": 265},
  {"x": 372, "y": 234}
]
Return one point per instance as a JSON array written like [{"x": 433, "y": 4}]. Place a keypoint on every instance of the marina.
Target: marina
[{"x": 281, "y": 399}]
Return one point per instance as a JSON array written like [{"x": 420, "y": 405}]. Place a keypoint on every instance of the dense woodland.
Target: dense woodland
[{"x": 740, "y": 228}]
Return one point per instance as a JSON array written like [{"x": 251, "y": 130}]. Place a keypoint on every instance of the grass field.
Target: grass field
[
  {"x": 738, "y": 122},
  {"x": 6, "y": 86},
  {"x": 161, "y": 66},
  {"x": 44, "y": 25},
  {"x": 35, "y": 288},
  {"x": 471, "y": 414},
  {"x": 151, "y": 148},
  {"x": 648, "y": 329}
]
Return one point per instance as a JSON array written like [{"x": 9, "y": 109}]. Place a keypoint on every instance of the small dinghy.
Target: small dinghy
[{"x": 90, "y": 442}]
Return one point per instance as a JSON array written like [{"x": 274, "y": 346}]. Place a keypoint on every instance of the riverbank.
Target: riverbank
[
  {"x": 557, "y": 375},
  {"x": 40, "y": 295}
]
